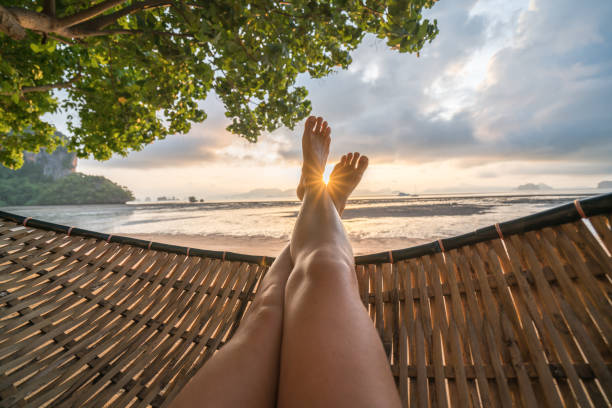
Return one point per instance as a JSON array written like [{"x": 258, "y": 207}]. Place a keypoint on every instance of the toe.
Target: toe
[
  {"x": 310, "y": 122},
  {"x": 362, "y": 164},
  {"x": 343, "y": 160},
  {"x": 323, "y": 131},
  {"x": 317, "y": 128},
  {"x": 355, "y": 158},
  {"x": 349, "y": 157}
]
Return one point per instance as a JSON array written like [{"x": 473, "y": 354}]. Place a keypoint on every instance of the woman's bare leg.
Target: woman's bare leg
[
  {"x": 331, "y": 355},
  {"x": 244, "y": 373}
]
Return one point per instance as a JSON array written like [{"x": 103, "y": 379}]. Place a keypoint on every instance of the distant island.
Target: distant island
[
  {"x": 51, "y": 179},
  {"x": 605, "y": 184},
  {"x": 531, "y": 187}
]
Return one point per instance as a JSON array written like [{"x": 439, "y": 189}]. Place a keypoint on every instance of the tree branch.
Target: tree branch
[
  {"x": 9, "y": 24},
  {"x": 131, "y": 32},
  {"x": 370, "y": 9},
  {"x": 44, "y": 88},
  {"x": 194, "y": 5},
  {"x": 104, "y": 21},
  {"x": 245, "y": 49},
  {"x": 88, "y": 14},
  {"x": 15, "y": 20},
  {"x": 32, "y": 20},
  {"x": 60, "y": 39}
]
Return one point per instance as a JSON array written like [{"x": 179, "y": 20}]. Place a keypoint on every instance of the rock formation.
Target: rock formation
[{"x": 56, "y": 165}]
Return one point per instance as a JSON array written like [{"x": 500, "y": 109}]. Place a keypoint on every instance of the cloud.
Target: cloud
[
  {"x": 503, "y": 82},
  {"x": 381, "y": 106},
  {"x": 494, "y": 86},
  {"x": 543, "y": 168},
  {"x": 549, "y": 95}
]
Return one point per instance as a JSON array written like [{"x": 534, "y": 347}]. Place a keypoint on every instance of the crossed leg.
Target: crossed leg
[
  {"x": 331, "y": 354},
  {"x": 244, "y": 373}
]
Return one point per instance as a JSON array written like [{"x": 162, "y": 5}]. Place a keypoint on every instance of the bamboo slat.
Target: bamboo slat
[{"x": 482, "y": 320}]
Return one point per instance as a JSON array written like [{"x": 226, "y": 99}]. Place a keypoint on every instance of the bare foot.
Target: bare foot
[
  {"x": 344, "y": 178},
  {"x": 315, "y": 148}
]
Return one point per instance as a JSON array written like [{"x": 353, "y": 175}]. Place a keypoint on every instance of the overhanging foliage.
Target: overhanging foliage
[{"x": 134, "y": 71}]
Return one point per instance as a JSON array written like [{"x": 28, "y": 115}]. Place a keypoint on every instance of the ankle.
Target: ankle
[
  {"x": 313, "y": 185},
  {"x": 312, "y": 170}
]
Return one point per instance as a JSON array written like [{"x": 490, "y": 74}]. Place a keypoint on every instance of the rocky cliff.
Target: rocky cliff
[{"x": 56, "y": 165}]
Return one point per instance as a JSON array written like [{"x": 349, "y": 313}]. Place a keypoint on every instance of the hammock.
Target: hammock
[{"x": 518, "y": 313}]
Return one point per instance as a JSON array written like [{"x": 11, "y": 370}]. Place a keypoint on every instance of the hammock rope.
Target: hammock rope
[{"x": 515, "y": 314}]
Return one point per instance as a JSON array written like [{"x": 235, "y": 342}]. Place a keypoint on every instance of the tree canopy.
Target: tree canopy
[{"x": 134, "y": 71}]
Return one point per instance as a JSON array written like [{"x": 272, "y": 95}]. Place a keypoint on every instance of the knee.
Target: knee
[
  {"x": 324, "y": 259},
  {"x": 269, "y": 297},
  {"x": 323, "y": 265},
  {"x": 265, "y": 314}
]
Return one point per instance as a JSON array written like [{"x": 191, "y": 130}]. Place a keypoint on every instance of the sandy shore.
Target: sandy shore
[{"x": 266, "y": 245}]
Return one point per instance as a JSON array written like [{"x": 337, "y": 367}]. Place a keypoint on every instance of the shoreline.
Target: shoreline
[{"x": 269, "y": 246}]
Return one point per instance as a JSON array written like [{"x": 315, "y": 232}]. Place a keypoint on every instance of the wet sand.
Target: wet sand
[
  {"x": 268, "y": 246},
  {"x": 412, "y": 210}
]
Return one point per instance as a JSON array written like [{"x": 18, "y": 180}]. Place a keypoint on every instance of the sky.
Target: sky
[{"x": 510, "y": 92}]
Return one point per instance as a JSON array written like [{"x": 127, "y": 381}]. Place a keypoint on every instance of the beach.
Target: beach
[
  {"x": 269, "y": 246},
  {"x": 373, "y": 224}
]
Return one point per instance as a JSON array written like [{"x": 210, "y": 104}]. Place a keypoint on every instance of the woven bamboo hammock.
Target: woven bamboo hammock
[{"x": 518, "y": 313}]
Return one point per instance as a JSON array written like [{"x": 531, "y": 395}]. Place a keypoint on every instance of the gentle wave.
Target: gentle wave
[{"x": 425, "y": 218}]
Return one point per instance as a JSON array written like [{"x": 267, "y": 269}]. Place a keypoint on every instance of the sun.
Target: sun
[{"x": 326, "y": 174}]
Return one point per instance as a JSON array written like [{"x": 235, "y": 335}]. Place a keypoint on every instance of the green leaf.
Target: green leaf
[
  {"x": 36, "y": 47},
  {"x": 130, "y": 90}
]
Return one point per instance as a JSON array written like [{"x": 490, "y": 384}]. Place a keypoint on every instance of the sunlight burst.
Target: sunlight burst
[{"x": 326, "y": 174}]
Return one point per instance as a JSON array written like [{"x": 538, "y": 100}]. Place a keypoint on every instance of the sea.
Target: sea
[{"x": 420, "y": 218}]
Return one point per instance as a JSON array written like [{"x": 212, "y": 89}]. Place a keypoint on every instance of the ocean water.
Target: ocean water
[{"x": 422, "y": 217}]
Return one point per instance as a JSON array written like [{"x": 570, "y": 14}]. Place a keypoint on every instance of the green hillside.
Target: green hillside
[{"x": 34, "y": 184}]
